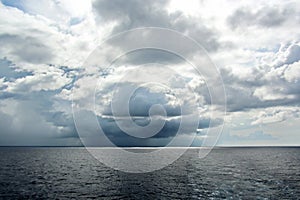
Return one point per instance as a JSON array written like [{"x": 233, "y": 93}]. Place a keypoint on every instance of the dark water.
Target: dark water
[{"x": 231, "y": 173}]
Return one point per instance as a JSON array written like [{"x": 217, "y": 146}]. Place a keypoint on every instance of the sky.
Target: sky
[{"x": 45, "y": 47}]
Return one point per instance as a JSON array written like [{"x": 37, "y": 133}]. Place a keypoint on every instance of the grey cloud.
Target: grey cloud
[
  {"x": 27, "y": 124},
  {"x": 246, "y": 89},
  {"x": 279, "y": 79},
  {"x": 162, "y": 138},
  {"x": 287, "y": 54},
  {"x": 141, "y": 102},
  {"x": 120, "y": 138},
  {"x": 27, "y": 48},
  {"x": 88, "y": 132},
  {"x": 264, "y": 17},
  {"x": 293, "y": 55},
  {"x": 34, "y": 121},
  {"x": 134, "y": 14}
]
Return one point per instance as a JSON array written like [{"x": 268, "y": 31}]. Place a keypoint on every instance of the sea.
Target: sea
[{"x": 226, "y": 173}]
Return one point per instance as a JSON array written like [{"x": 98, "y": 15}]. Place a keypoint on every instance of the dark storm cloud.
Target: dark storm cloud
[
  {"x": 88, "y": 131},
  {"x": 165, "y": 135},
  {"x": 141, "y": 102},
  {"x": 133, "y": 14},
  {"x": 265, "y": 17},
  {"x": 111, "y": 128}
]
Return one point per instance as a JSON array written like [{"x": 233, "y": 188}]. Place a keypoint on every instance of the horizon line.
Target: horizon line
[{"x": 151, "y": 147}]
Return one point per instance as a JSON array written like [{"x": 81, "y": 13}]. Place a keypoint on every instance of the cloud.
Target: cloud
[
  {"x": 17, "y": 80},
  {"x": 292, "y": 72},
  {"x": 27, "y": 48},
  {"x": 287, "y": 54},
  {"x": 133, "y": 14},
  {"x": 29, "y": 111},
  {"x": 274, "y": 115},
  {"x": 60, "y": 11},
  {"x": 44, "y": 45},
  {"x": 266, "y": 16},
  {"x": 26, "y": 44},
  {"x": 143, "y": 99},
  {"x": 52, "y": 79},
  {"x": 23, "y": 122},
  {"x": 264, "y": 85},
  {"x": 33, "y": 37}
]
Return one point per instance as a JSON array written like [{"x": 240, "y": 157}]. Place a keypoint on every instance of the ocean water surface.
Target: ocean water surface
[{"x": 231, "y": 173}]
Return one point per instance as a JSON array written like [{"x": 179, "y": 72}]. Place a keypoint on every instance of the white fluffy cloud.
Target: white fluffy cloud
[
  {"x": 45, "y": 78},
  {"x": 292, "y": 72}
]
